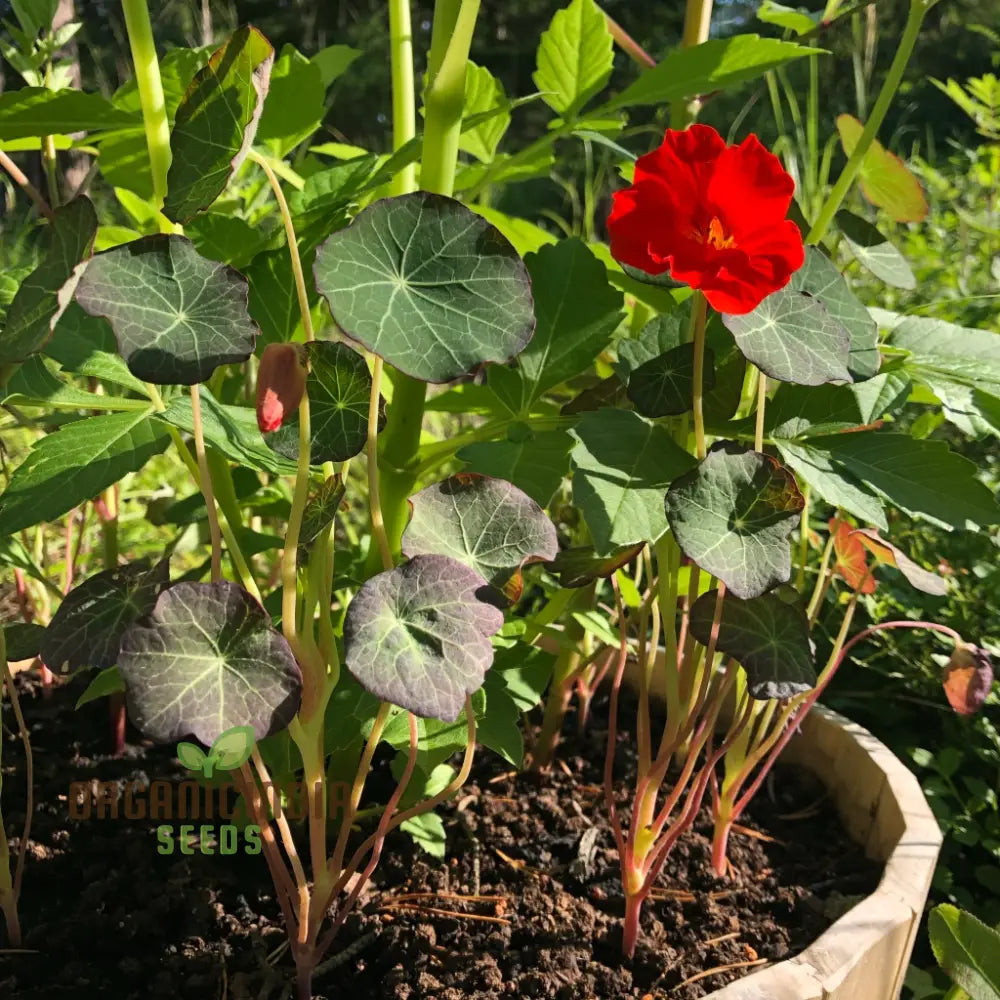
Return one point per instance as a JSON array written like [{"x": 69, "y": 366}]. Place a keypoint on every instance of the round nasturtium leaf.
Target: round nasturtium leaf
[
  {"x": 205, "y": 660},
  {"x": 488, "y": 524},
  {"x": 176, "y": 315},
  {"x": 339, "y": 387},
  {"x": 87, "y": 628},
  {"x": 664, "y": 385},
  {"x": 792, "y": 337},
  {"x": 419, "y": 635},
  {"x": 428, "y": 285},
  {"x": 733, "y": 515},
  {"x": 768, "y": 636}
]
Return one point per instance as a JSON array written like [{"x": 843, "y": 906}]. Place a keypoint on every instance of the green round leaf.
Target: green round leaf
[
  {"x": 874, "y": 252},
  {"x": 488, "y": 524},
  {"x": 339, "y": 386},
  {"x": 767, "y": 635},
  {"x": 733, "y": 515},
  {"x": 819, "y": 278},
  {"x": 105, "y": 683},
  {"x": 418, "y": 635},
  {"x": 87, "y": 628},
  {"x": 46, "y": 292},
  {"x": 216, "y": 122},
  {"x": 664, "y": 385},
  {"x": 792, "y": 337},
  {"x": 205, "y": 660},
  {"x": 176, "y": 315},
  {"x": 428, "y": 285},
  {"x": 22, "y": 640}
]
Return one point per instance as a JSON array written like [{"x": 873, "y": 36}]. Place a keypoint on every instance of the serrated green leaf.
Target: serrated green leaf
[
  {"x": 483, "y": 92},
  {"x": 712, "y": 65},
  {"x": 38, "y": 111},
  {"x": 487, "y": 524},
  {"x": 75, "y": 464},
  {"x": 795, "y": 19},
  {"x": 88, "y": 626},
  {"x": 535, "y": 462},
  {"x": 832, "y": 483},
  {"x": 339, "y": 386},
  {"x": 923, "y": 478},
  {"x": 820, "y": 279},
  {"x": 622, "y": 465},
  {"x": 176, "y": 315},
  {"x": 427, "y": 831},
  {"x": 576, "y": 313},
  {"x": 205, "y": 660},
  {"x": 85, "y": 345},
  {"x": 967, "y": 950},
  {"x": 427, "y": 285},
  {"x": 418, "y": 636},
  {"x": 296, "y": 102},
  {"x": 767, "y": 635},
  {"x": 733, "y": 516},
  {"x": 47, "y": 291},
  {"x": 34, "y": 385},
  {"x": 874, "y": 252},
  {"x": 105, "y": 683},
  {"x": 792, "y": 337},
  {"x": 232, "y": 430},
  {"x": 575, "y": 57},
  {"x": 216, "y": 122}
]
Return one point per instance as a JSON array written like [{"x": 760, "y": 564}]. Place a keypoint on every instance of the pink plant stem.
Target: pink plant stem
[
  {"x": 381, "y": 832},
  {"x": 628, "y": 44},
  {"x": 813, "y": 697},
  {"x": 609, "y": 755}
]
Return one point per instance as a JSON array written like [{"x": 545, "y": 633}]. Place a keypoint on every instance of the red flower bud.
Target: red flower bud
[
  {"x": 967, "y": 679},
  {"x": 281, "y": 381}
]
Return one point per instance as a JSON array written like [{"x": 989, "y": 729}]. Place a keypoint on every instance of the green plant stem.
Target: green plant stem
[
  {"x": 918, "y": 8},
  {"x": 758, "y": 437},
  {"x": 289, "y": 554},
  {"x": 8, "y": 901},
  {"x": 293, "y": 245},
  {"x": 154, "y": 107},
  {"x": 697, "y": 23},
  {"x": 800, "y": 578},
  {"x": 699, "y": 313},
  {"x": 205, "y": 478},
  {"x": 404, "y": 118},
  {"x": 454, "y": 22},
  {"x": 371, "y": 450}
]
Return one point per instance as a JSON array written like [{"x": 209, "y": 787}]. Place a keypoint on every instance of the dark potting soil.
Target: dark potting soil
[{"x": 105, "y": 915}]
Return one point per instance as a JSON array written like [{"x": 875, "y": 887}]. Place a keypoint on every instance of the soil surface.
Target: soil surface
[{"x": 104, "y": 914}]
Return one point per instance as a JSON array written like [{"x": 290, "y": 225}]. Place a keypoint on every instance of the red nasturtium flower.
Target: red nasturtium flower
[
  {"x": 281, "y": 381},
  {"x": 710, "y": 215}
]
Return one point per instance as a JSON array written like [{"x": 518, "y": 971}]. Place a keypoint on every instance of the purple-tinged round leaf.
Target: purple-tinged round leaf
[
  {"x": 205, "y": 660},
  {"x": 967, "y": 679},
  {"x": 47, "y": 291},
  {"x": 419, "y": 635},
  {"x": 216, "y": 122},
  {"x": 428, "y": 285},
  {"x": 87, "y": 629},
  {"x": 733, "y": 515},
  {"x": 488, "y": 524},
  {"x": 22, "y": 640},
  {"x": 768, "y": 636},
  {"x": 176, "y": 315},
  {"x": 580, "y": 566}
]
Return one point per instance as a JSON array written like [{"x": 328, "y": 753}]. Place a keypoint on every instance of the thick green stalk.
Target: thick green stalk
[
  {"x": 454, "y": 22},
  {"x": 918, "y": 8},
  {"x": 154, "y": 108},
  {"x": 697, "y": 22},
  {"x": 404, "y": 118}
]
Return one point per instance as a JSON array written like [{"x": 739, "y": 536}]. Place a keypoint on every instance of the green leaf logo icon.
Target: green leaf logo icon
[{"x": 228, "y": 752}]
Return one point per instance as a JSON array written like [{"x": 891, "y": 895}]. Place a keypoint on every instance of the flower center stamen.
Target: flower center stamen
[{"x": 717, "y": 235}]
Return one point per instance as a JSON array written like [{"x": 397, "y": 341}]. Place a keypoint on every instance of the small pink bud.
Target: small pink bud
[
  {"x": 281, "y": 382},
  {"x": 967, "y": 679}
]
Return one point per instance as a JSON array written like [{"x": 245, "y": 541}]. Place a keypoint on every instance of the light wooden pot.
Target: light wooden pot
[{"x": 864, "y": 955}]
